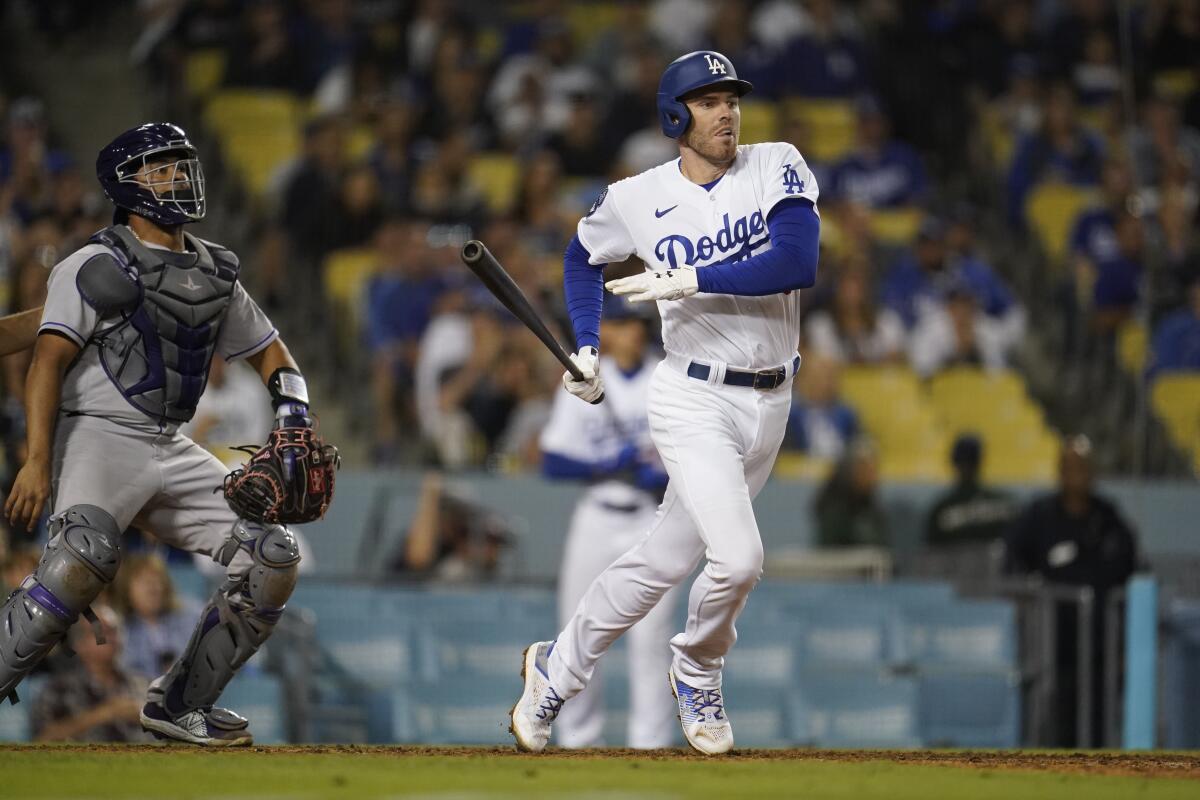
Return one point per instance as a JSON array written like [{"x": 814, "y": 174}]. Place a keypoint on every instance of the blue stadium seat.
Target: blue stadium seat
[
  {"x": 959, "y": 709},
  {"x": 189, "y": 582},
  {"x": 758, "y": 712},
  {"x": 853, "y": 634},
  {"x": 972, "y": 634},
  {"x": 14, "y": 720},
  {"x": 475, "y": 651},
  {"x": 260, "y": 699},
  {"x": 848, "y": 707},
  {"x": 463, "y": 711}
]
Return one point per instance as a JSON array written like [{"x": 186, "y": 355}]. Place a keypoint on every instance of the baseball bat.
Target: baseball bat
[{"x": 485, "y": 266}]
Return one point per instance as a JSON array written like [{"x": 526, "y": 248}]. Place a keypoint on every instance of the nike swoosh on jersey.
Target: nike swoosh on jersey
[{"x": 661, "y": 214}]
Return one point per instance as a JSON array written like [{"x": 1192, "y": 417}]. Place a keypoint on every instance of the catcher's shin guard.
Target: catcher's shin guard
[
  {"x": 239, "y": 617},
  {"x": 80, "y": 560}
]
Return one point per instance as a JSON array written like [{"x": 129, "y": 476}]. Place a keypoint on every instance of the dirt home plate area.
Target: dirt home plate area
[{"x": 351, "y": 771}]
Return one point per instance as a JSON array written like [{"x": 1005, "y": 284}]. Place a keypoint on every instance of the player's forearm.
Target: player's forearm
[
  {"x": 43, "y": 391},
  {"x": 583, "y": 289},
  {"x": 790, "y": 264},
  {"x": 272, "y": 357},
  {"x": 17, "y": 331}
]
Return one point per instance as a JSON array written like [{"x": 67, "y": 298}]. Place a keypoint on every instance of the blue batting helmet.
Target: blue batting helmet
[
  {"x": 686, "y": 74},
  {"x": 170, "y": 194}
]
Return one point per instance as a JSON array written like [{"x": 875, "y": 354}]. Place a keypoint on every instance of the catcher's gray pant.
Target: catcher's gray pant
[
  {"x": 599, "y": 534},
  {"x": 166, "y": 485}
]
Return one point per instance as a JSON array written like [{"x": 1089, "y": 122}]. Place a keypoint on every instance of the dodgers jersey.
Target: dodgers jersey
[
  {"x": 588, "y": 433},
  {"x": 668, "y": 221}
]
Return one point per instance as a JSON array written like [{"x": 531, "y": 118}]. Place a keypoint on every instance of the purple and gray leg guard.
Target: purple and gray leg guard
[
  {"x": 80, "y": 560},
  {"x": 237, "y": 620}
]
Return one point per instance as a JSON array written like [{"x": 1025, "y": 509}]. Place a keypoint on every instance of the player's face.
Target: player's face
[
  {"x": 716, "y": 125},
  {"x": 165, "y": 176}
]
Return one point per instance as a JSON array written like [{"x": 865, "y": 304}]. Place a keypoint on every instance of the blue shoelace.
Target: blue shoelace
[
  {"x": 550, "y": 706},
  {"x": 701, "y": 699}
]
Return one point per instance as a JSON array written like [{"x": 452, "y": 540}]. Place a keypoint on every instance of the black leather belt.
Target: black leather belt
[{"x": 763, "y": 379}]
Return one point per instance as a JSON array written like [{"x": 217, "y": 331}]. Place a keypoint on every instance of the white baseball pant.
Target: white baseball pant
[{"x": 718, "y": 444}]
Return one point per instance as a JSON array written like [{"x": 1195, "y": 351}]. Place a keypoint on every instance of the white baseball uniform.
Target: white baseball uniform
[
  {"x": 717, "y": 441},
  {"x": 610, "y": 518},
  {"x": 109, "y": 454}
]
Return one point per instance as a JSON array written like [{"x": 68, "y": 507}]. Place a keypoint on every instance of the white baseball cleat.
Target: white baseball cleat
[
  {"x": 702, "y": 715},
  {"x": 539, "y": 704}
]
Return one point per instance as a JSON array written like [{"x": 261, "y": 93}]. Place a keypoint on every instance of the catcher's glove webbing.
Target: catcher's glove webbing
[{"x": 289, "y": 480}]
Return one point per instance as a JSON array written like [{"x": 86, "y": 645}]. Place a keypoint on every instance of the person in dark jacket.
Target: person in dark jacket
[{"x": 1077, "y": 538}]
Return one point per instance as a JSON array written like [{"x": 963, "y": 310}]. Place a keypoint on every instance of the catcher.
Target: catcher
[{"x": 122, "y": 355}]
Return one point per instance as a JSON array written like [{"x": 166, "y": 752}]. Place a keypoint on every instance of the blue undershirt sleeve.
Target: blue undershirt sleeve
[
  {"x": 791, "y": 263},
  {"x": 564, "y": 468},
  {"x": 583, "y": 289}
]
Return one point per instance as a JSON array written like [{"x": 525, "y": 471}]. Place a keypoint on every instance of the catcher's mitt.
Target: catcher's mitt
[{"x": 288, "y": 480}]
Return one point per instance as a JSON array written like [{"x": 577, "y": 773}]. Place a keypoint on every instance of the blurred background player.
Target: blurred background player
[
  {"x": 609, "y": 448},
  {"x": 728, "y": 234},
  {"x": 131, "y": 323}
]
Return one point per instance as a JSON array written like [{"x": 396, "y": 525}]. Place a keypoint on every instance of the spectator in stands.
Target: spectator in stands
[
  {"x": 94, "y": 699},
  {"x": 538, "y": 208},
  {"x": 442, "y": 191},
  {"x": 853, "y": 330},
  {"x": 1108, "y": 289},
  {"x": 1093, "y": 234},
  {"x": 158, "y": 623},
  {"x": 262, "y": 54},
  {"x": 1002, "y": 39},
  {"x": 391, "y": 154},
  {"x": 633, "y": 105},
  {"x": 310, "y": 196},
  {"x": 457, "y": 107},
  {"x": 847, "y": 509},
  {"x": 917, "y": 282},
  {"x": 957, "y": 334},
  {"x": 584, "y": 148},
  {"x": 1067, "y": 42},
  {"x": 1061, "y": 150},
  {"x": 451, "y": 539},
  {"x": 969, "y": 513},
  {"x": 827, "y": 59},
  {"x": 1161, "y": 145},
  {"x": 820, "y": 424},
  {"x": 358, "y": 211},
  {"x": 1172, "y": 34},
  {"x": 1176, "y": 345},
  {"x": 881, "y": 172},
  {"x": 1078, "y": 538},
  {"x": 401, "y": 299},
  {"x": 233, "y": 411}
]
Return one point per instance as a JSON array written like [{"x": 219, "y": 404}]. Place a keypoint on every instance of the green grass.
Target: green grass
[{"x": 74, "y": 772}]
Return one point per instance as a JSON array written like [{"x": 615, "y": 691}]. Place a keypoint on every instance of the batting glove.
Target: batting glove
[
  {"x": 669, "y": 284},
  {"x": 591, "y": 388}
]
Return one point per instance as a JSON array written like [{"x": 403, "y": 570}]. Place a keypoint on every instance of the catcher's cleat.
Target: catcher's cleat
[
  {"x": 215, "y": 727},
  {"x": 702, "y": 715},
  {"x": 539, "y": 704}
]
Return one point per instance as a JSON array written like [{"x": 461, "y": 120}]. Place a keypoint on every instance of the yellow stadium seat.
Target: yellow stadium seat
[
  {"x": 258, "y": 131},
  {"x": 346, "y": 273},
  {"x": 359, "y": 142},
  {"x": 1051, "y": 210},
  {"x": 760, "y": 122},
  {"x": 997, "y": 136},
  {"x": 896, "y": 226},
  {"x": 498, "y": 176},
  {"x": 1175, "y": 84},
  {"x": 1176, "y": 398},
  {"x": 794, "y": 466},
  {"x": 831, "y": 126},
  {"x": 1133, "y": 346},
  {"x": 203, "y": 72},
  {"x": 588, "y": 20}
]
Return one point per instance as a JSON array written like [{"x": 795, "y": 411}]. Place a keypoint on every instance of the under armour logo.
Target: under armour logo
[
  {"x": 190, "y": 286},
  {"x": 714, "y": 65}
]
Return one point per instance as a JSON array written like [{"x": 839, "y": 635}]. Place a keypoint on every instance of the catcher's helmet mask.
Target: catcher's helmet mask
[{"x": 154, "y": 171}]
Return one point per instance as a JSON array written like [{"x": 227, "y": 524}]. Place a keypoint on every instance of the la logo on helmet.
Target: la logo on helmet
[{"x": 714, "y": 65}]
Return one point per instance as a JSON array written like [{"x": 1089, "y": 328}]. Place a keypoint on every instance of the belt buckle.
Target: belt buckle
[{"x": 771, "y": 378}]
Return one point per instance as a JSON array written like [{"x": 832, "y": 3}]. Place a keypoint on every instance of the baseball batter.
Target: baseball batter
[
  {"x": 728, "y": 234},
  {"x": 122, "y": 355},
  {"x": 609, "y": 447}
]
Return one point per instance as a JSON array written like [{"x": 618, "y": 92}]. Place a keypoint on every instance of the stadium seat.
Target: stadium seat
[
  {"x": 497, "y": 175},
  {"x": 831, "y": 126},
  {"x": 203, "y": 72},
  {"x": 759, "y": 712},
  {"x": 377, "y": 651},
  {"x": 14, "y": 719},
  {"x": 471, "y": 652},
  {"x": 844, "y": 634},
  {"x": 346, "y": 273},
  {"x": 1133, "y": 346},
  {"x": 463, "y": 711},
  {"x": 760, "y": 122},
  {"x": 978, "y": 634},
  {"x": 258, "y": 131},
  {"x": 896, "y": 226},
  {"x": 964, "y": 709},
  {"x": 1051, "y": 210},
  {"x": 853, "y": 708},
  {"x": 1176, "y": 398}
]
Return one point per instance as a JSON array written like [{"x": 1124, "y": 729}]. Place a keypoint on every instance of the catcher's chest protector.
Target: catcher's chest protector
[{"x": 159, "y": 353}]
